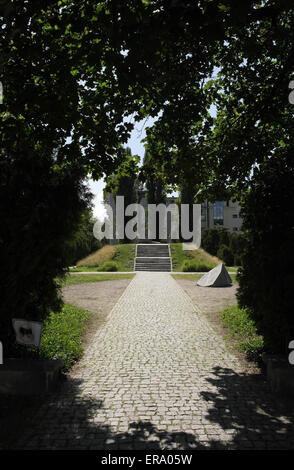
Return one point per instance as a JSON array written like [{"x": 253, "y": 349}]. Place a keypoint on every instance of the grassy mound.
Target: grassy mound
[
  {"x": 106, "y": 253},
  {"x": 109, "y": 258},
  {"x": 200, "y": 257}
]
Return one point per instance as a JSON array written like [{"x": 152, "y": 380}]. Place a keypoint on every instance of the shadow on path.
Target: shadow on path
[{"x": 240, "y": 414}]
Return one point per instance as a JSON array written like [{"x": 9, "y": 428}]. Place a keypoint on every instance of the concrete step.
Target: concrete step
[
  {"x": 152, "y": 257},
  {"x": 154, "y": 270},
  {"x": 152, "y": 251}
]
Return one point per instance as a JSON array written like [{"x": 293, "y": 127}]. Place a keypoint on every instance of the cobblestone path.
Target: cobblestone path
[{"x": 157, "y": 376}]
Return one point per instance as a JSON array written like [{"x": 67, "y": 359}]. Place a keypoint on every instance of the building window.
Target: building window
[
  {"x": 235, "y": 216},
  {"x": 235, "y": 229},
  {"x": 218, "y": 213}
]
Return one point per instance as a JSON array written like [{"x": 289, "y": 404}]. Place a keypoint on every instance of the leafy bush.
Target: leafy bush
[
  {"x": 212, "y": 240},
  {"x": 62, "y": 335},
  {"x": 237, "y": 260},
  {"x": 266, "y": 275},
  {"x": 237, "y": 243},
  {"x": 38, "y": 220},
  {"x": 108, "y": 266},
  {"x": 253, "y": 348},
  {"x": 226, "y": 255},
  {"x": 193, "y": 266},
  {"x": 83, "y": 242}
]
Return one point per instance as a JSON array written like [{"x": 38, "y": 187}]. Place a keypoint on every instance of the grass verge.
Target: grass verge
[
  {"x": 242, "y": 330},
  {"x": 62, "y": 335},
  {"x": 82, "y": 278}
]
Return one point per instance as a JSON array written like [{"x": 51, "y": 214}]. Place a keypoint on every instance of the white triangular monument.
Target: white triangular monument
[{"x": 217, "y": 277}]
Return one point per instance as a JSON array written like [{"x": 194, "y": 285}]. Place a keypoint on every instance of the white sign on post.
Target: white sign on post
[{"x": 27, "y": 332}]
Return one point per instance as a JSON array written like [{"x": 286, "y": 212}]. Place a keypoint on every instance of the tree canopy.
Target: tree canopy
[{"x": 75, "y": 71}]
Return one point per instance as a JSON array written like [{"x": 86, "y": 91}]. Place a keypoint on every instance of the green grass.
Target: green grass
[
  {"x": 232, "y": 269},
  {"x": 194, "y": 266},
  {"x": 62, "y": 335},
  {"x": 241, "y": 328},
  {"x": 83, "y": 278},
  {"x": 188, "y": 277},
  {"x": 124, "y": 257},
  {"x": 200, "y": 256},
  {"x": 195, "y": 277},
  {"x": 81, "y": 269}
]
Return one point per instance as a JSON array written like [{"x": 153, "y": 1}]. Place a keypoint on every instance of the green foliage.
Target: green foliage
[
  {"x": 210, "y": 240},
  {"x": 226, "y": 255},
  {"x": 243, "y": 329},
  {"x": 213, "y": 240},
  {"x": 267, "y": 273},
  {"x": 237, "y": 243},
  {"x": 83, "y": 242},
  {"x": 123, "y": 182},
  {"x": 124, "y": 257},
  {"x": 76, "y": 82},
  {"x": 108, "y": 266},
  {"x": 237, "y": 260},
  {"x": 193, "y": 266},
  {"x": 62, "y": 335},
  {"x": 156, "y": 192},
  {"x": 43, "y": 205}
]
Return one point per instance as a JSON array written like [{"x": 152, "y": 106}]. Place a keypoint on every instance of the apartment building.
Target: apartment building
[{"x": 221, "y": 213}]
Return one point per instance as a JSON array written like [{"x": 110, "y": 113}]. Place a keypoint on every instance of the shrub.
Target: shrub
[
  {"x": 266, "y": 275},
  {"x": 38, "y": 220},
  {"x": 226, "y": 255},
  {"x": 237, "y": 260},
  {"x": 224, "y": 237},
  {"x": 237, "y": 243},
  {"x": 193, "y": 266},
  {"x": 108, "y": 266},
  {"x": 83, "y": 242},
  {"x": 253, "y": 348},
  {"x": 210, "y": 240}
]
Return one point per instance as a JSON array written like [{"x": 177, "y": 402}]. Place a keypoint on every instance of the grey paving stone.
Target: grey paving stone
[{"x": 157, "y": 374}]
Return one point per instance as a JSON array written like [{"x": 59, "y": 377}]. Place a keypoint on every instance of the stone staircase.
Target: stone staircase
[{"x": 152, "y": 257}]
